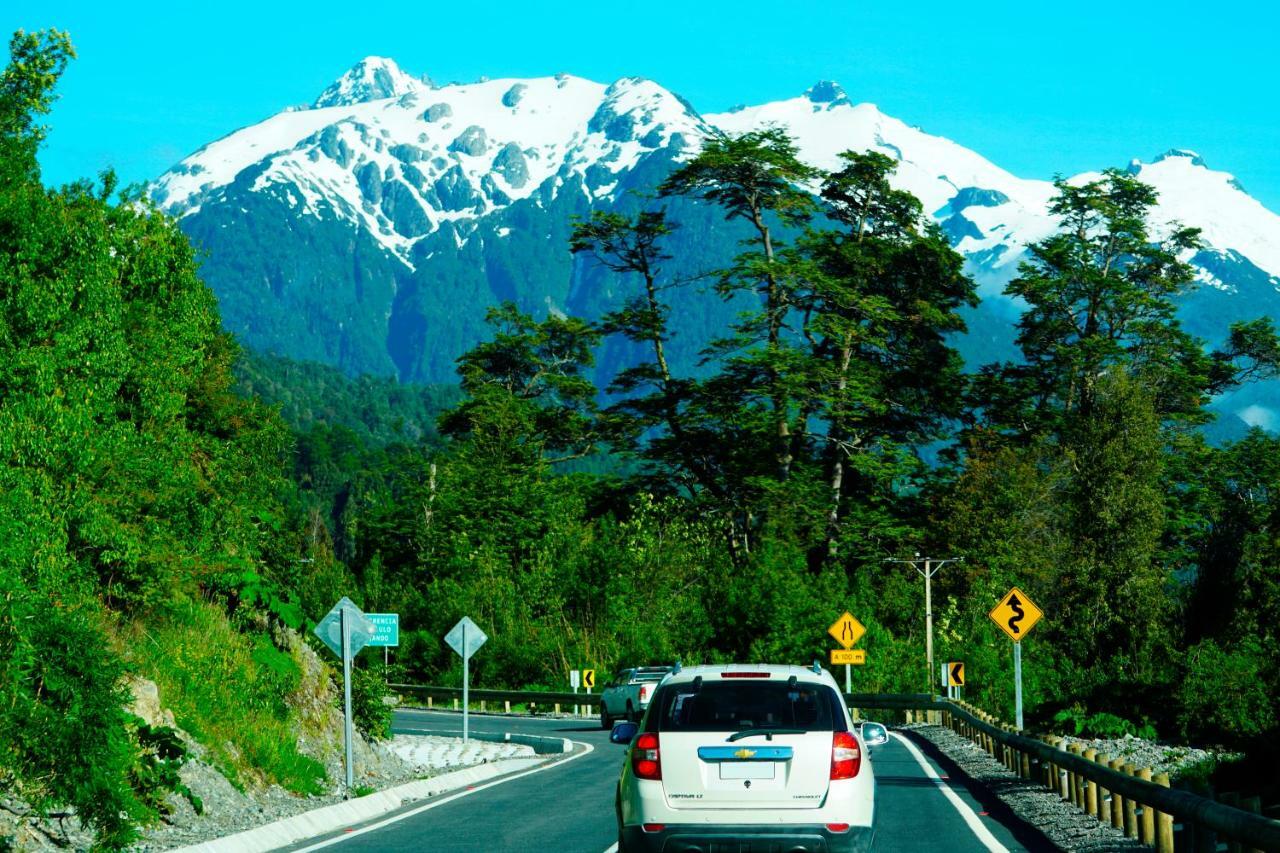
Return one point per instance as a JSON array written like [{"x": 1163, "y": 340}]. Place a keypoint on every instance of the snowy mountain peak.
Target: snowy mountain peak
[
  {"x": 1185, "y": 153},
  {"x": 371, "y": 79},
  {"x": 826, "y": 92}
]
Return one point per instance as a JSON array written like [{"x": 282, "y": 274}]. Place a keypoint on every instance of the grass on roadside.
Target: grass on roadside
[{"x": 228, "y": 690}]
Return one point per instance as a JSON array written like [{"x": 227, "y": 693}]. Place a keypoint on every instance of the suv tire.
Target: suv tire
[{"x": 606, "y": 722}]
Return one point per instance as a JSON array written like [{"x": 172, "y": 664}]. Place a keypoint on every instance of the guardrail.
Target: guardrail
[{"x": 1133, "y": 800}]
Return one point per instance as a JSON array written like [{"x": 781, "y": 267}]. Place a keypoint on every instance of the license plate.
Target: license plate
[{"x": 746, "y": 769}]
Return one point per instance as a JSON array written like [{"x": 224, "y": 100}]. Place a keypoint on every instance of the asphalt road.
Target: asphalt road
[{"x": 568, "y": 805}]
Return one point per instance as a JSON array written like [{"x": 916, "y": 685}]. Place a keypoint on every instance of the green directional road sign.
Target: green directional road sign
[{"x": 386, "y": 629}]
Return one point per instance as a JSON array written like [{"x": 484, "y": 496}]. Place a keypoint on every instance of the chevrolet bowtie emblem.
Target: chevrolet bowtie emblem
[{"x": 745, "y": 753}]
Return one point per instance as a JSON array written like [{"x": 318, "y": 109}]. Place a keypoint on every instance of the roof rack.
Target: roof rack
[
  {"x": 675, "y": 669},
  {"x": 817, "y": 667}
]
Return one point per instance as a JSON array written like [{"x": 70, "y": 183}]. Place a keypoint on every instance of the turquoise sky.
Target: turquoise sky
[{"x": 1038, "y": 88}]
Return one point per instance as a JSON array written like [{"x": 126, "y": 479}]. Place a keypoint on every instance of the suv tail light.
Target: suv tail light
[
  {"x": 646, "y": 760},
  {"x": 744, "y": 674},
  {"x": 846, "y": 758},
  {"x": 644, "y": 692}
]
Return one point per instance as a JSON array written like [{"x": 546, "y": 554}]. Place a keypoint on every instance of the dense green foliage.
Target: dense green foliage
[{"x": 131, "y": 478}]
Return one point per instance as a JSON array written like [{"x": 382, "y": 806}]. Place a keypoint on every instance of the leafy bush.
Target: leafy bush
[
  {"x": 156, "y": 771},
  {"x": 1080, "y": 723},
  {"x": 63, "y": 735},
  {"x": 369, "y": 713},
  {"x": 1224, "y": 695}
]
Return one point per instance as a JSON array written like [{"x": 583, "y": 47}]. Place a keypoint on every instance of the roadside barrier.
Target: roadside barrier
[{"x": 1134, "y": 800}]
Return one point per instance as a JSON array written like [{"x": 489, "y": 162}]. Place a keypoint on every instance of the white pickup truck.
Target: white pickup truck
[{"x": 628, "y": 693}]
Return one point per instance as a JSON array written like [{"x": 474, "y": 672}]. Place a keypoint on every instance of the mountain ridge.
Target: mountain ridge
[{"x": 386, "y": 163}]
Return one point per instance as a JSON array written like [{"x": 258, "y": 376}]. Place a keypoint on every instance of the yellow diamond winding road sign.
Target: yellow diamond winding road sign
[
  {"x": 1015, "y": 614},
  {"x": 847, "y": 630}
]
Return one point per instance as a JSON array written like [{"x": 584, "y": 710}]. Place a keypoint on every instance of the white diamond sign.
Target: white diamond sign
[
  {"x": 330, "y": 628},
  {"x": 471, "y": 631}
]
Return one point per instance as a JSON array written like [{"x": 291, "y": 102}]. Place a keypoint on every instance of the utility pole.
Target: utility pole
[{"x": 931, "y": 566}]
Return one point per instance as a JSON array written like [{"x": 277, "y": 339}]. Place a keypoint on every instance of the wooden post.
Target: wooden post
[
  {"x": 1104, "y": 793},
  {"x": 1130, "y": 807},
  {"x": 557, "y": 707},
  {"x": 482, "y": 706},
  {"x": 1147, "y": 826},
  {"x": 1117, "y": 801},
  {"x": 1026, "y": 765},
  {"x": 455, "y": 703},
  {"x": 1233, "y": 800},
  {"x": 1064, "y": 778},
  {"x": 1077, "y": 781},
  {"x": 506, "y": 706},
  {"x": 1252, "y": 804},
  {"x": 1091, "y": 787},
  {"x": 1164, "y": 822},
  {"x": 429, "y": 701}
]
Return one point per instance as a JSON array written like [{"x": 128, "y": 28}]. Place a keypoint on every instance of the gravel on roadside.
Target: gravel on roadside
[{"x": 1064, "y": 825}]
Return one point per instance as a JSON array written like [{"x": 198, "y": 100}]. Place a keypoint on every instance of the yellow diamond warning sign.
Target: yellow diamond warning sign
[
  {"x": 854, "y": 656},
  {"x": 1015, "y": 614},
  {"x": 847, "y": 630}
]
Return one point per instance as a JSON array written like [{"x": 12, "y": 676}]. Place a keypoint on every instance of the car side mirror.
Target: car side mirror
[{"x": 624, "y": 732}]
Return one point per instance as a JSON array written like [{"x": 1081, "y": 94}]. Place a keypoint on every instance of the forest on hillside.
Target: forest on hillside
[{"x": 153, "y": 500}]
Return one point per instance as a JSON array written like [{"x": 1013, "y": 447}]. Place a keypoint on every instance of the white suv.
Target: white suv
[{"x": 745, "y": 756}]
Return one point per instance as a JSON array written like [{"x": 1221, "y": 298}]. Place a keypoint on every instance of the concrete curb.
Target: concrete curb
[
  {"x": 300, "y": 827},
  {"x": 541, "y": 745}
]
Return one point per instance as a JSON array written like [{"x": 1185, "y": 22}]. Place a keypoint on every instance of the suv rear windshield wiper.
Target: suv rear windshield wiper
[{"x": 767, "y": 732}]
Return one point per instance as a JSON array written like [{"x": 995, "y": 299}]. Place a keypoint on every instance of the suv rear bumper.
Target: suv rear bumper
[{"x": 745, "y": 838}]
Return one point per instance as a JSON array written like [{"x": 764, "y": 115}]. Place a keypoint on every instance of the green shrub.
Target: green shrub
[
  {"x": 369, "y": 713},
  {"x": 63, "y": 734},
  {"x": 1224, "y": 695}
]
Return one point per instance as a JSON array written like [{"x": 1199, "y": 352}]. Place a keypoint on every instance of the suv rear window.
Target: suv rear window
[
  {"x": 649, "y": 673},
  {"x": 731, "y": 706}
]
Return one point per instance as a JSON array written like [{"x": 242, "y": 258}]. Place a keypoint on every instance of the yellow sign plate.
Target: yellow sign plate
[
  {"x": 589, "y": 678},
  {"x": 955, "y": 674},
  {"x": 1016, "y": 614},
  {"x": 853, "y": 656},
  {"x": 847, "y": 630}
]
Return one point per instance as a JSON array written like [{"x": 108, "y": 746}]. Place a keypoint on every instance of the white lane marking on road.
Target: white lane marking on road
[
  {"x": 984, "y": 835},
  {"x": 588, "y": 749}
]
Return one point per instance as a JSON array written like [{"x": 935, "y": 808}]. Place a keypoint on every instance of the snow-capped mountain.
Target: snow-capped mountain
[{"x": 372, "y": 229}]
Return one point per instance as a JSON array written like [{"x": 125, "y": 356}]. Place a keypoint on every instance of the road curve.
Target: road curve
[{"x": 924, "y": 804}]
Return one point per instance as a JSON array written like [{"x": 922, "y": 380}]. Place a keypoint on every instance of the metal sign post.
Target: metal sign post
[
  {"x": 1017, "y": 685},
  {"x": 466, "y": 684},
  {"x": 346, "y": 631},
  {"x": 346, "y": 693},
  {"x": 464, "y": 638}
]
